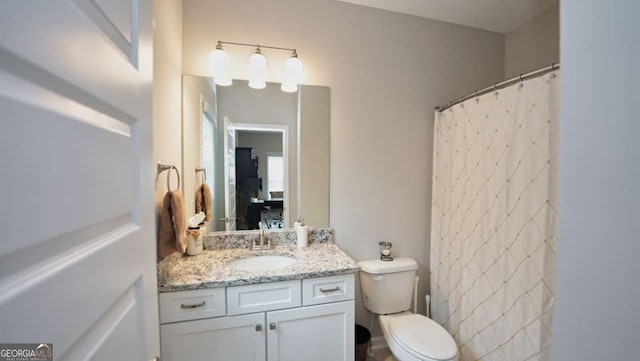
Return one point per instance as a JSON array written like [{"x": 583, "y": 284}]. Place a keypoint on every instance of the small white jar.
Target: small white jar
[{"x": 194, "y": 241}]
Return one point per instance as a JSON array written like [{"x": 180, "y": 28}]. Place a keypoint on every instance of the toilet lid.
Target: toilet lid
[{"x": 423, "y": 336}]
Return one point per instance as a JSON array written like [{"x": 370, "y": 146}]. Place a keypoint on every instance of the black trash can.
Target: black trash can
[{"x": 363, "y": 337}]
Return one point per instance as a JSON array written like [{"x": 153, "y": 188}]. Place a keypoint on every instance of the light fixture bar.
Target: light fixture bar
[
  {"x": 256, "y": 46},
  {"x": 292, "y": 72}
]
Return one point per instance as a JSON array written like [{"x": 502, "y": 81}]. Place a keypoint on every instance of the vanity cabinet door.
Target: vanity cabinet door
[
  {"x": 315, "y": 333},
  {"x": 220, "y": 339}
]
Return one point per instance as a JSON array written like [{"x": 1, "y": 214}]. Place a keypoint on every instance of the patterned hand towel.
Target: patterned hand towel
[
  {"x": 172, "y": 225},
  {"x": 203, "y": 201}
]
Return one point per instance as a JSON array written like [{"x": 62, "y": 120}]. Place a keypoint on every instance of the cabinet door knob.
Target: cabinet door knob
[
  {"x": 272, "y": 326},
  {"x": 259, "y": 327}
]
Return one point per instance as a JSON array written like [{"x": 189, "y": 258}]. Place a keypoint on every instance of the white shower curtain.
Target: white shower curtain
[{"x": 493, "y": 237}]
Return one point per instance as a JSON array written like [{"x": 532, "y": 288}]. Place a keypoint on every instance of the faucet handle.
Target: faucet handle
[{"x": 260, "y": 239}]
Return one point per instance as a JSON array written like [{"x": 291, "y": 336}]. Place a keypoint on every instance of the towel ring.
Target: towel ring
[
  {"x": 162, "y": 167},
  {"x": 169, "y": 178},
  {"x": 204, "y": 174}
]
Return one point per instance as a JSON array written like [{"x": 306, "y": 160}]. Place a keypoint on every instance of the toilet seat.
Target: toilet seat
[{"x": 421, "y": 337}]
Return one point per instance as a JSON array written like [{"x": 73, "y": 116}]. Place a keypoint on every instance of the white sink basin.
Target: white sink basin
[{"x": 261, "y": 263}]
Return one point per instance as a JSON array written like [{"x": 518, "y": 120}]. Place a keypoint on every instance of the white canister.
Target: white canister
[
  {"x": 302, "y": 235},
  {"x": 194, "y": 241}
]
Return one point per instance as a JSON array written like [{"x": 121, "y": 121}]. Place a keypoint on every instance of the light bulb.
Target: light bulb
[
  {"x": 292, "y": 74},
  {"x": 220, "y": 67},
  {"x": 257, "y": 70}
]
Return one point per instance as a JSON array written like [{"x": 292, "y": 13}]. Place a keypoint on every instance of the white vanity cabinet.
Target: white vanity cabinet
[
  {"x": 314, "y": 333},
  {"x": 311, "y": 319},
  {"x": 221, "y": 339}
]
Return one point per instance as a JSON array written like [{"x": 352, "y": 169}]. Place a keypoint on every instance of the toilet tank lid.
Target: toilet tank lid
[{"x": 376, "y": 266}]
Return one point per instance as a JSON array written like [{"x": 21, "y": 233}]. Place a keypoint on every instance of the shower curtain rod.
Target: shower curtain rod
[{"x": 501, "y": 85}]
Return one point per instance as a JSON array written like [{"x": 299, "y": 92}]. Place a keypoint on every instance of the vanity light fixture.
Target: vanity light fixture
[
  {"x": 221, "y": 67},
  {"x": 257, "y": 70},
  {"x": 292, "y": 74}
]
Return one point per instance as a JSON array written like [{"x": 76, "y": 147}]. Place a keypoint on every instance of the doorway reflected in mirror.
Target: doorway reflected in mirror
[{"x": 260, "y": 179}]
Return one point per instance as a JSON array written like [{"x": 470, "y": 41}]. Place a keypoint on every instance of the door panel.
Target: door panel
[
  {"x": 117, "y": 20},
  {"x": 123, "y": 341},
  {"x": 59, "y": 137},
  {"x": 77, "y": 257},
  {"x": 119, "y": 13}
]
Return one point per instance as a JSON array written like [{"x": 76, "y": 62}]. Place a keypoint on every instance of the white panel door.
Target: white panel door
[
  {"x": 77, "y": 256},
  {"x": 238, "y": 338},
  {"x": 320, "y": 333},
  {"x": 229, "y": 174}
]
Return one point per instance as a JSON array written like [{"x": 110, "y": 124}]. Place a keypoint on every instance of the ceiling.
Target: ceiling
[{"x": 500, "y": 16}]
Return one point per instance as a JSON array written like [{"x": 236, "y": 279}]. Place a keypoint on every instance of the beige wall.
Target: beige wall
[
  {"x": 533, "y": 45},
  {"x": 387, "y": 72},
  {"x": 167, "y": 78}
]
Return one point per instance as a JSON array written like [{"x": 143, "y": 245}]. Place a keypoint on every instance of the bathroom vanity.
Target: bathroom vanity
[{"x": 231, "y": 304}]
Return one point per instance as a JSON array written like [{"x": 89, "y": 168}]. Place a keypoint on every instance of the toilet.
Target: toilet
[{"x": 387, "y": 287}]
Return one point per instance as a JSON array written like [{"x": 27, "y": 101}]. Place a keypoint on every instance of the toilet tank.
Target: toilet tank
[{"x": 387, "y": 286}]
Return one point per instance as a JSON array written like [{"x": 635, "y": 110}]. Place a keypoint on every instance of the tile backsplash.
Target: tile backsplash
[{"x": 280, "y": 237}]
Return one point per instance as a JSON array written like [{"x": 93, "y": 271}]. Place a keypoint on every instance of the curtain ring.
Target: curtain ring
[{"x": 521, "y": 84}]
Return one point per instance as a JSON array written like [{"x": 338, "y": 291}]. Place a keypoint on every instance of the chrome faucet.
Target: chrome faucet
[{"x": 261, "y": 244}]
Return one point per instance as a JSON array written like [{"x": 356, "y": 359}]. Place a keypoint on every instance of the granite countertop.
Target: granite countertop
[{"x": 207, "y": 270}]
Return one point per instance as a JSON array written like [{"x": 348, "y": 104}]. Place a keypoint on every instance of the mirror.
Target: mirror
[{"x": 264, "y": 154}]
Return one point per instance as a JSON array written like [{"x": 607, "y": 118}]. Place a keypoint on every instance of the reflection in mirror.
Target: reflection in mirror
[
  {"x": 260, "y": 178},
  {"x": 261, "y": 184},
  {"x": 265, "y": 153}
]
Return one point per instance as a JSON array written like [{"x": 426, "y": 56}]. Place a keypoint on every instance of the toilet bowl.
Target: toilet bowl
[
  {"x": 413, "y": 337},
  {"x": 387, "y": 287}
]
